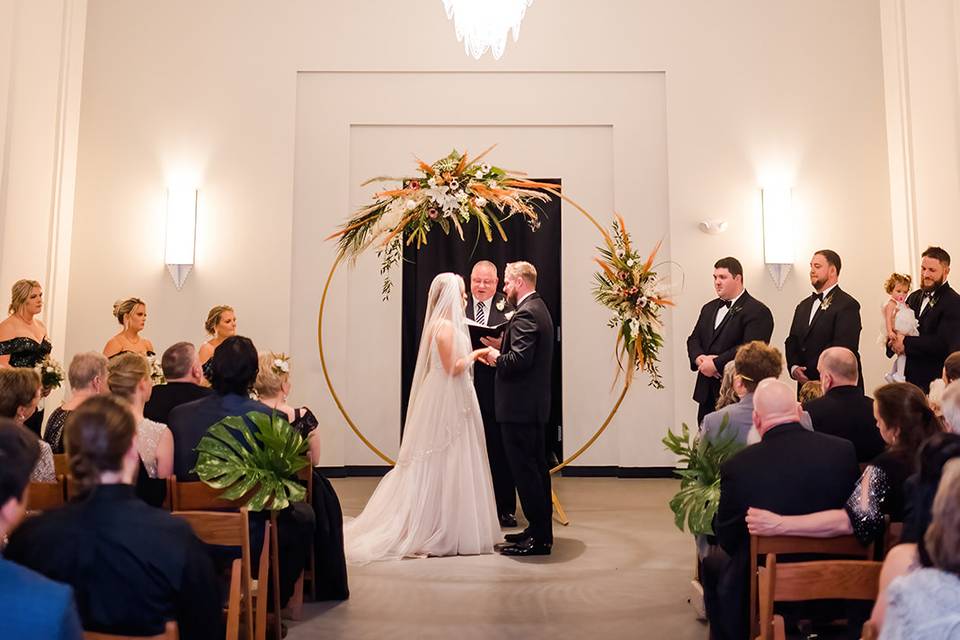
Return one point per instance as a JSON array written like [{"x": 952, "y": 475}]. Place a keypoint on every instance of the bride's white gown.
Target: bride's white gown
[{"x": 438, "y": 499}]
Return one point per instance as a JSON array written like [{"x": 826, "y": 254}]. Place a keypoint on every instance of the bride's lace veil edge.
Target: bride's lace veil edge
[{"x": 444, "y": 302}]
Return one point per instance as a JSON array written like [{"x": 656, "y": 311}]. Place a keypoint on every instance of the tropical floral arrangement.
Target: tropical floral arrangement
[
  {"x": 695, "y": 504},
  {"x": 51, "y": 373},
  {"x": 452, "y": 194},
  {"x": 629, "y": 285},
  {"x": 156, "y": 371},
  {"x": 231, "y": 456}
]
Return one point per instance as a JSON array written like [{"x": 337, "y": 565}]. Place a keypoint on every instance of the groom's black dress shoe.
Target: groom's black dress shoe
[
  {"x": 516, "y": 537},
  {"x": 508, "y": 521},
  {"x": 526, "y": 548}
]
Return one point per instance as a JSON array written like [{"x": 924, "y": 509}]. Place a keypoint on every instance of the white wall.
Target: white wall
[{"x": 207, "y": 92}]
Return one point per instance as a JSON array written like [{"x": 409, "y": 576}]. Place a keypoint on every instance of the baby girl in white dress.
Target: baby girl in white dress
[{"x": 898, "y": 318}]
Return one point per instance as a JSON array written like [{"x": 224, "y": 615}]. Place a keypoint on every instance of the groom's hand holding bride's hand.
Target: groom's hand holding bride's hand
[
  {"x": 492, "y": 342},
  {"x": 489, "y": 356}
]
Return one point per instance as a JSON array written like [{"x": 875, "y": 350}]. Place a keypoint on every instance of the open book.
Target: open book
[{"x": 478, "y": 331}]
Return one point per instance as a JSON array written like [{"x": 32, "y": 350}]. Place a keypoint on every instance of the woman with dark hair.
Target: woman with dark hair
[
  {"x": 19, "y": 396},
  {"x": 134, "y": 567},
  {"x": 912, "y": 554},
  {"x": 905, "y": 421}
]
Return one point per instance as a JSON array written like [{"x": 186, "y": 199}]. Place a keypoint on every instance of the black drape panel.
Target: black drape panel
[{"x": 449, "y": 253}]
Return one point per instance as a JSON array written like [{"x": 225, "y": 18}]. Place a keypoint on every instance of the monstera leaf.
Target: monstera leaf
[
  {"x": 235, "y": 458},
  {"x": 695, "y": 505}
]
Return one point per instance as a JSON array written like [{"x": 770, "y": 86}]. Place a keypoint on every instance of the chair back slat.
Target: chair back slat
[
  {"x": 46, "y": 495},
  {"x": 197, "y": 496},
  {"x": 233, "y": 602},
  {"x": 826, "y": 580},
  {"x": 61, "y": 464}
]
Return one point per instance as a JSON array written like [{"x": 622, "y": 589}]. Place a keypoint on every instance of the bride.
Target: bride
[{"x": 438, "y": 499}]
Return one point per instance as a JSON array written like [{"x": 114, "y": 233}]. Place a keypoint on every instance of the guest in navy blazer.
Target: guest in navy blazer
[{"x": 34, "y": 607}]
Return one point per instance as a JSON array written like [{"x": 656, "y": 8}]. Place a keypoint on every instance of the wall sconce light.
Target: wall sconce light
[
  {"x": 712, "y": 226},
  {"x": 181, "y": 233},
  {"x": 777, "y": 207}
]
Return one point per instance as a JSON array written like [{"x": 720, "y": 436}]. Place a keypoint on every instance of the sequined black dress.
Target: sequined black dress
[
  {"x": 879, "y": 492},
  {"x": 27, "y": 352}
]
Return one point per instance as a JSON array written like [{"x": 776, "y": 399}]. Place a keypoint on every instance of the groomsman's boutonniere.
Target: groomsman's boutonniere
[
  {"x": 933, "y": 302},
  {"x": 826, "y": 302},
  {"x": 734, "y": 311},
  {"x": 501, "y": 303}
]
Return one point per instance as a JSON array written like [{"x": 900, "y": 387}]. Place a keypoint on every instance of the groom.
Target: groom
[{"x": 522, "y": 394}]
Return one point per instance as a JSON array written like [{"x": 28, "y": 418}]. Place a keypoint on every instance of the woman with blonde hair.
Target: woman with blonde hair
[
  {"x": 221, "y": 323},
  {"x": 132, "y": 316},
  {"x": 88, "y": 377},
  {"x": 19, "y": 395},
  {"x": 23, "y": 336},
  {"x": 129, "y": 378}
]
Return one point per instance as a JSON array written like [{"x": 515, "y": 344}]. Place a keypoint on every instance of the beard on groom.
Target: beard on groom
[
  {"x": 486, "y": 306},
  {"x": 523, "y": 362}
]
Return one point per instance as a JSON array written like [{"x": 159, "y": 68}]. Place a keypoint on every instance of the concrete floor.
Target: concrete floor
[{"x": 620, "y": 570}]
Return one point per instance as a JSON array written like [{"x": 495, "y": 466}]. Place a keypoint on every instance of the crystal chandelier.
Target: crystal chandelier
[{"x": 483, "y": 24}]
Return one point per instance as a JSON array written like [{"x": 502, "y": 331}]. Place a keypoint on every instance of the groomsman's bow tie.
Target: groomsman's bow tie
[
  {"x": 928, "y": 294},
  {"x": 817, "y": 296},
  {"x": 725, "y": 303}
]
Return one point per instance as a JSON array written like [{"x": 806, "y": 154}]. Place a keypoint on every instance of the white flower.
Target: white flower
[
  {"x": 481, "y": 202},
  {"x": 454, "y": 185},
  {"x": 631, "y": 262},
  {"x": 642, "y": 301},
  {"x": 432, "y": 182},
  {"x": 410, "y": 204},
  {"x": 461, "y": 197},
  {"x": 501, "y": 303},
  {"x": 479, "y": 174},
  {"x": 492, "y": 184},
  {"x": 485, "y": 168},
  {"x": 634, "y": 327},
  {"x": 281, "y": 365}
]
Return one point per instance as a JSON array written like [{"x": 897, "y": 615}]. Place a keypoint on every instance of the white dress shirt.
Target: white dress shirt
[
  {"x": 724, "y": 310},
  {"x": 816, "y": 303}
]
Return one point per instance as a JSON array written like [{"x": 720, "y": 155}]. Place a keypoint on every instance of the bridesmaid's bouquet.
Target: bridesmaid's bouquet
[
  {"x": 51, "y": 373},
  {"x": 156, "y": 371}
]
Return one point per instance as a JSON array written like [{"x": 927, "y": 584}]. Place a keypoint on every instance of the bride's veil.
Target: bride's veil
[{"x": 444, "y": 305}]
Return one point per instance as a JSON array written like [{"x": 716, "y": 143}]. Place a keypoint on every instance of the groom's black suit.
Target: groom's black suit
[
  {"x": 504, "y": 488},
  {"x": 522, "y": 387}
]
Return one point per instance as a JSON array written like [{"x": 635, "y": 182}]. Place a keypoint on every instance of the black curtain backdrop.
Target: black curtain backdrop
[{"x": 449, "y": 253}]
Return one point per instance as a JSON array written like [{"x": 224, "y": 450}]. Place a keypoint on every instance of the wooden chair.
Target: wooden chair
[
  {"x": 232, "y": 529},
  {"x": 892, "y": 536},
  {"x": 46, "y": 495},
  {"x": 197, "y": 496},
  {"x": 772, "y": 545},
  {"x": 295, "y": 606},
  {"x": 818, "y": 580},
  {"x": 171, "y": 633},
  {"x": 61, "y": 464}
]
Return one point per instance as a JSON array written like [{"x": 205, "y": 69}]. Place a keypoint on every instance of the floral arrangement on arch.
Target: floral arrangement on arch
[
  {"x": 629, "y": 285},
  {"x": 450, "y": 194}
]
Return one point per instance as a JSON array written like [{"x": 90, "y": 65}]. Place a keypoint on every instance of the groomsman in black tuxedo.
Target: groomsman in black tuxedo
[
  {"x": 488, "y": 307},
  {"x": 937, "y": 306},
  {"x": 523, "y": 383},
  {"x": 830, "y": 317},
  {"x": 732, "y": 319}
]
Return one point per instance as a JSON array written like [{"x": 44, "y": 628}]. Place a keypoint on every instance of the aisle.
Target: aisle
[{"x": 620, "y": 570}]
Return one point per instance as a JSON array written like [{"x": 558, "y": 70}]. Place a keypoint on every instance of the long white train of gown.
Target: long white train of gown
[{"x": 438, "y": 499}]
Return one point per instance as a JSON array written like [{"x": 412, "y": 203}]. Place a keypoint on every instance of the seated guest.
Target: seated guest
[
  {"x": 950, "y": 407},
  {"x": 792, "y": 470},
  {"x": 87, "y": 375},
  {"x": 234, "y": 368},
  {"x": 951, "y": 373},
  {"x": 181, "y": 369},
  {"x": 810, "y": 390},
  {"x": 727, "y": 395},
  {"x": 754, "y": 362},
  {"x": 923, "y": 603},
  {"x": 844, "y": 411},
  {"x": 33, "y": 606},
  {"x": 132, "y": 316},
  {"x": 273, "y": 388},
  {"x": 19, "y": 397},
  {"x": 133, "y": 566},
  {"x": 905, "y": 421},
  {"x": 911, "y": 553},
  {"x": 129, "y": 378}
]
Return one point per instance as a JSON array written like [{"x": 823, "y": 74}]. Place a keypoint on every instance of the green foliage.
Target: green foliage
[
  {"x": 269, "y": 462},
  {"x": 695, "y": 505}
]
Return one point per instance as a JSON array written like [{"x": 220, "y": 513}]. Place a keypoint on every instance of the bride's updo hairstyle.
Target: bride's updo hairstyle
[
  {"x": 123, "y": 308},
  {"x": 98, "y": 434},
  {"x": 213, "y": 318},
  {"x": 235, "y": 366},
  {"x": 125, "y": 372},
  {"x": 271, "y": 377},
  {"x": 20, "y": 293}
]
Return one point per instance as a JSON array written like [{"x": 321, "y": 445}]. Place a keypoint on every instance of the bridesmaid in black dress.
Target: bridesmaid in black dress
[
  {"x": 23, "y": 336},
  {"x": 273, "y": 387},
  {"x": 132, "y": 316}
]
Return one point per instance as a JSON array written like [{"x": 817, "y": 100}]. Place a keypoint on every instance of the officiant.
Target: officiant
[{"x": 486, "y": 306}]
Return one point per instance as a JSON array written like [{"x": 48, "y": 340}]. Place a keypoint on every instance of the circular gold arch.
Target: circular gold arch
[{"x": 346, "y": 416}]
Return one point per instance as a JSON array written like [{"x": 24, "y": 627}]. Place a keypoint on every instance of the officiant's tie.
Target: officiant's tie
[{"x": 481, "y": 316}]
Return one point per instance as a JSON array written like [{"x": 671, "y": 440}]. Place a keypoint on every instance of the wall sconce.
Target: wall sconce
[
  {"x": 777, "y": 207},
  {"x": 712, "y": 226},
  {"x": 181, "y": 233}
]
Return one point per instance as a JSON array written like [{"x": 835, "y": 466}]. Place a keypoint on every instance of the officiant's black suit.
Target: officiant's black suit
[
  {"x": 522, "y": 400},
  {"x": 504, "y": 488},
  {"x": 748, "y": 319},
  {"x": 939, "y": 335},
  {"x": 836, "y": 326}
]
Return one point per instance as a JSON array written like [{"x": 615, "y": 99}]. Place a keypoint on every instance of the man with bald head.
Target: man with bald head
[
  {"x": 844, "y": 410},
  {"x": 792, "y": 469}
]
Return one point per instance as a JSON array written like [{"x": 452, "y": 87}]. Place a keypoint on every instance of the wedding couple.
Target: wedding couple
[{"x": 438, "y": 500}]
